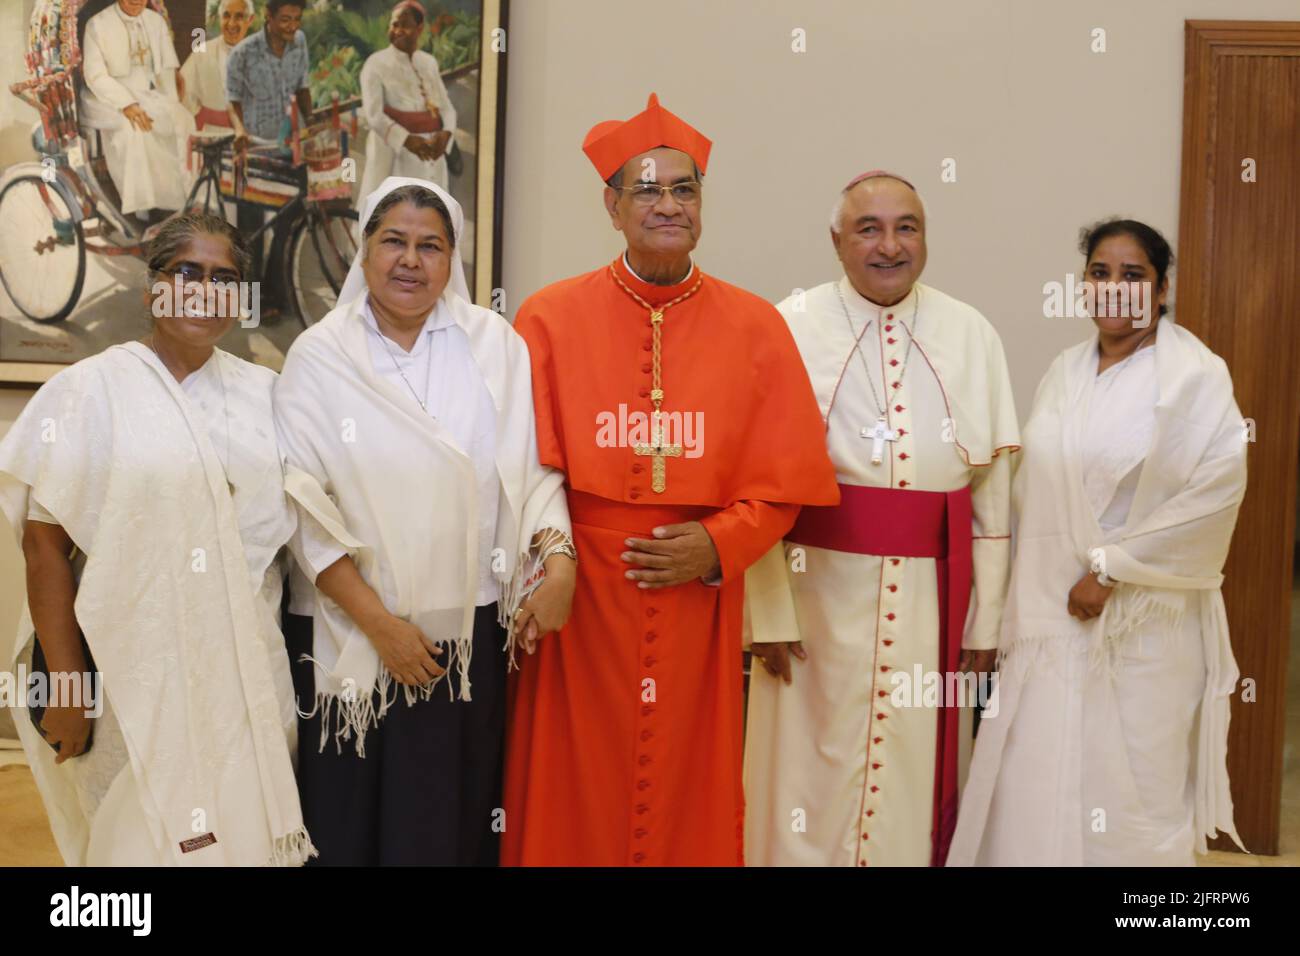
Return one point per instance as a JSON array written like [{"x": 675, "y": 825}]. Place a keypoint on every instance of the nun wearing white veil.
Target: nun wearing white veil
[{"x": 426, "y": 525}]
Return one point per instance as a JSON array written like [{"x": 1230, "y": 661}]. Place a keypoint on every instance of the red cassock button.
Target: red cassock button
[
  {"x": 902, "y": 455},
  {"x": 890, "y": 616},
  {"x": 902, "y": 431},
  {"x": 862, "y": 862},
  {"x": 871, "y": 813},
  {"x": 898, "y": 385},
  {"x": 864, "y": 836},
  {"x": 650, "y": 636},
  {"x": 889, "y": 328},
  {"x": 648, "y": 661},
  {"x": 637, "y": 468},
  {"x": 881, "y": 716},
  {"x": 651, "y": 612},
  {"x": 874, "y": 789},
  {"x": 638, "y": 857},
  {"x": 644, "y": 392},
  {"x": 893, "y": 560},
  {"x": 647, "y": 734},
  {"x": 634, "y": 494},
  {"x": 882, "y": 693},
  {"x": 875, "y": 766},
  {"x": 647, "y": 710},
  {"x": 887, "y": 643},
  {"x": 643, "y": 759},
  {"x": 642, "y": 808},
  {"x": 646, "y": 368},
  {"x": 639, "y": 833},
  {"x": 892, "y": 587},
  {"x": 876, "y": 740},
  {"x": 884, "y": 668},
  {"x": 902, "y": 484},
  {"x": 889, "y": 317},
  {"x": 893, "y": 361},
  {"x": 890, "y": 340},
  {"x": 647, "y": 346},
  {"x": 643, "y": 784},
  {"x": 898, "y": 408}
]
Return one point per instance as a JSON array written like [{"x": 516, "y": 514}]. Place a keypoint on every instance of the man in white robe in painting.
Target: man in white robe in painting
[
  {"x": 202, "y": 77},
  {"x": 130, "y": 96},
  {"x": 406, "y": 106}
]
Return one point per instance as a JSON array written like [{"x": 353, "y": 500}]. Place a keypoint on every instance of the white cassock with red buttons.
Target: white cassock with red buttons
[{"x": 840, "y": 764}]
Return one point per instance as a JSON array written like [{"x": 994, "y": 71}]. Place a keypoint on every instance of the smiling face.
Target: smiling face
[
  {"x": 235, "y": 17},
  {"x": 285, "y": 22},
  {"x": 1135, "y": 292},
  {"x": 408, "y": 261},
  {"x": 203, "y": 312},
  {"x": 881, "y": 239},
  {"x": 132, "y": 8},
  {"x": 666, "y": 229},
  {"x": 404, "y": 31}
]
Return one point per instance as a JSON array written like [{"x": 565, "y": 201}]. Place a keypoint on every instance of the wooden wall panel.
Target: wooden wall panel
[{"x": 1239, "y": 290}]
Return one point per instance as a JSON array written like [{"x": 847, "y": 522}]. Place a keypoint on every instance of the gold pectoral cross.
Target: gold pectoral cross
[
  {"x": 657, "y": 452},
  {"x": 140, "y": 54}
]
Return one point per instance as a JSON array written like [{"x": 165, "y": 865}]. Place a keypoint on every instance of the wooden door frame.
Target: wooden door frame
[{"x": 1257, "y": 729}]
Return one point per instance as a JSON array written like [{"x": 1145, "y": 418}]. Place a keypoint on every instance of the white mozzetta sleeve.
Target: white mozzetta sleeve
[{"x": 990, "y": 550}]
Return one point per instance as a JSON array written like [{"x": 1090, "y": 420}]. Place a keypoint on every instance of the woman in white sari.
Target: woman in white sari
[
  {"x": 1106, "y": 741},
  {"x": 146, "y": 489},
  {"x": 432, "y": 534}
]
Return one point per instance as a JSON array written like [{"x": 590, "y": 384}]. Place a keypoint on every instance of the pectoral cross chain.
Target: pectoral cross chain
[{"x": 657, "y": 450}]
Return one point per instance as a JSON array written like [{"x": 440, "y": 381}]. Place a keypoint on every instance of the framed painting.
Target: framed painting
[{"x": 73, "y": 279}]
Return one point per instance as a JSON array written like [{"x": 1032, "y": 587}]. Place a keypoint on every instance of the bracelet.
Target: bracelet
[
  {"x": 555, "y": 542},
  {"x": 1105, "y": 580}
]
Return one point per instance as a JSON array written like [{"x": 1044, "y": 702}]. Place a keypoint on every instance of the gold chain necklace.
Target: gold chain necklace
[{"x": 657, "y": 450}]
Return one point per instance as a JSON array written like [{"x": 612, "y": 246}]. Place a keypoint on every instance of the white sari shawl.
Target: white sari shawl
[
  {"x": 1175, "y": 540},
  {"x": 192, "y": 662},
  {"x": 407, "y": 510}
]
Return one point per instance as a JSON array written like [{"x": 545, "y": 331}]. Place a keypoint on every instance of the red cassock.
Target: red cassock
[{"x": 624, "y": 736}]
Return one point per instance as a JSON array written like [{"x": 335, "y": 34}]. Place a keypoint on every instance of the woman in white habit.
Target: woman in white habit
[
  {"x": 1106, "y": 741},
  {"x": 146, "y": 489},
  {"x": 433, "y": 536}
]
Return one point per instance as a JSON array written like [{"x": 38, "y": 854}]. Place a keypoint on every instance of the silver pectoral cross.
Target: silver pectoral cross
[{"x": 879, "y": 433}]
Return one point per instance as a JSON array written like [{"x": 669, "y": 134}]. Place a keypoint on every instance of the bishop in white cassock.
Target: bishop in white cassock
[
  {"x": 847, "y": 761},
  {"x": 129, "y": 67},
  {"x": 406, "y": 107},
  {"x": 203, "y": 75}
]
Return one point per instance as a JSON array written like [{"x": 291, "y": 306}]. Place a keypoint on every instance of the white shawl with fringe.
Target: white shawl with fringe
[
  {"x": 1175, "y": 540},
  {"x": 192, "y": 662},
  {"x": 407, "y": 510}
]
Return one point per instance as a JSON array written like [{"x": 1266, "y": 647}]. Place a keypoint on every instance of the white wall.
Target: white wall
[{"x": 1047, "y": 135}]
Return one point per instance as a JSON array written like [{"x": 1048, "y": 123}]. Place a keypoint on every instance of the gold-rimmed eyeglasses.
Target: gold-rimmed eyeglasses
[{"x": 647, "y": 194}]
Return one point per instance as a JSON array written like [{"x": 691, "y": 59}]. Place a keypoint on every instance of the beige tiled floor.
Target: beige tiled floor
[{"x": 28, "y": 841}]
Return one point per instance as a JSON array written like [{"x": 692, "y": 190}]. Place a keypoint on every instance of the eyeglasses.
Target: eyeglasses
[
  {"x": 189, "y": 272},
  {"x": 647, "y": 194}
]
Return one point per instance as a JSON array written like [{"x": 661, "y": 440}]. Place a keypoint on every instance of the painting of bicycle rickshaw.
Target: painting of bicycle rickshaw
[{"x": 77, "y": 209}]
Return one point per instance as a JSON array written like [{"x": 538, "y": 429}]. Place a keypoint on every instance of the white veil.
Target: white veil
[{"x": 355, "y": 284}]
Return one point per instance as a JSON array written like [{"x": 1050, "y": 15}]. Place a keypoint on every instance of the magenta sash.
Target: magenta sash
[
  {"x": 206, "y": 116},
  {"x": 898, "y": 523},
  {"x": 415, "y": 121}
]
